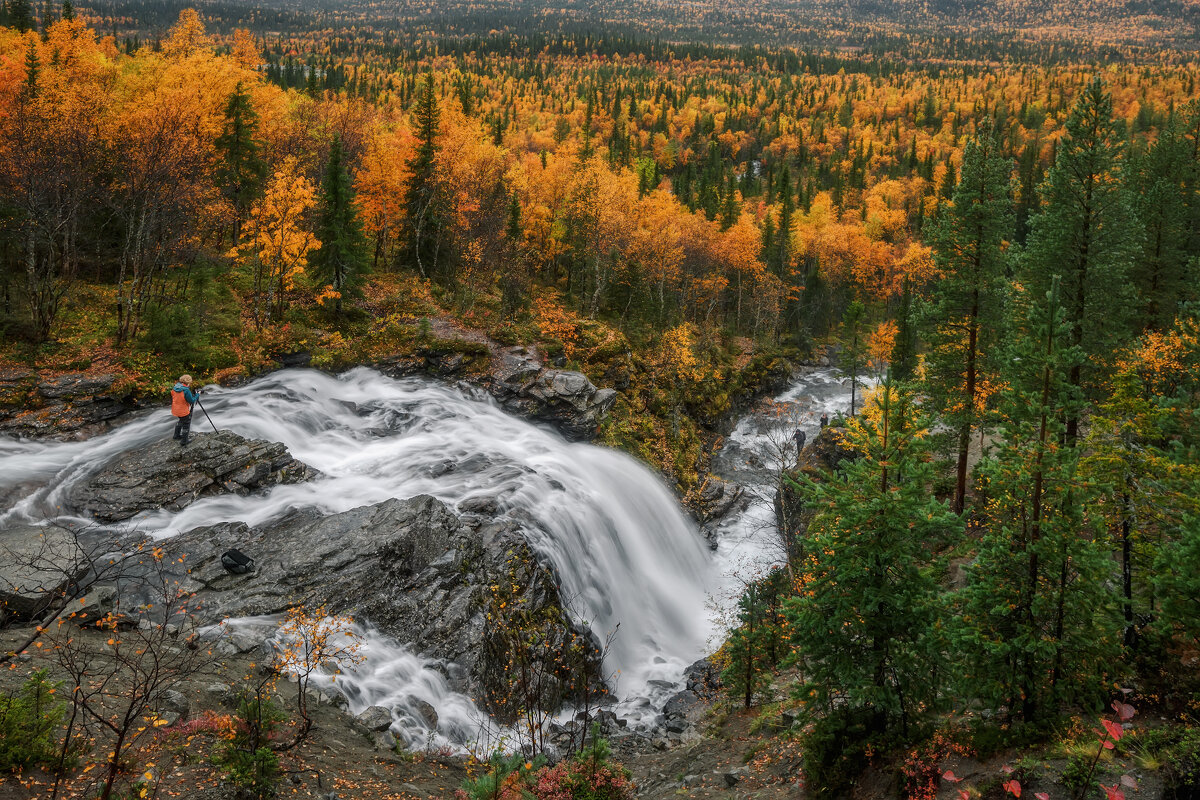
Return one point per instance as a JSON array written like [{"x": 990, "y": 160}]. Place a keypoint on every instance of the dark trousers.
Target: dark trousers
[{"x": 183, "y": 428}]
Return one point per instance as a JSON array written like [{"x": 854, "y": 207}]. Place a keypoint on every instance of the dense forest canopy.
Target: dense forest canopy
[{"x": 1002, "y": 230}]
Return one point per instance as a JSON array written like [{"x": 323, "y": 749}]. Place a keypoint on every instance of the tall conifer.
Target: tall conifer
[
  {"x": 963, "y": 320},
  {"x": 1088, "y": 236}
]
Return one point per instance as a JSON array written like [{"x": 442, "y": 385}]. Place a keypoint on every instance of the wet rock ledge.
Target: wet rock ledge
[
  {"x": 165, "y": 475},
  {"x": 75, "y": 405}
]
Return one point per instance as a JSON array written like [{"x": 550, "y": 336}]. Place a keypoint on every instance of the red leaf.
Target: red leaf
[
  {"x": 1013, "y": 787},
  {"x": 1108, "y": 745},
  {"x": 950, "y": 776},
  {"x": 1124, "y": 710},
  {"x": 1128, "y": 781},
  {"x": 963, "y": 794},
  {"x": 1042, "y": 796},
  {"x": 1112, "y": 792},
  {"x": 1006, "y": 769},
  {"x": 1114, "y": 729}
]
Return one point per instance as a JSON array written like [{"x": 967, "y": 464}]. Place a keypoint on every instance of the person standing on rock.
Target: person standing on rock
[{"x": 183, "y": 399}]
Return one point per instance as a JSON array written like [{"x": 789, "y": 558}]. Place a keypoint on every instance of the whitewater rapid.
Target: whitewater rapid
[{"x": 624, "y": 551}]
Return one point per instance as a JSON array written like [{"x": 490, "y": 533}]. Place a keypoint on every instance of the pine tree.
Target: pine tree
[
  {"x": 20, "y": 15},
  {"x": 1037, "y": 629},
  {"x": 755, "y": 646},
  {"x": 1164, "y": 180},
  {"x": 963, "y": 320},
  {"x": 1087, "y": 235},
  {"x": 902, "y": 363},
  {"x": 865, "y": 619},
  {"x": 241, "y": 172},
  {"x": 68, "y": 11},
  {"x": 853, "y": 357},
  {"x": 33, "y": 70},
  {"x": 341, "y": 260},
  {"x": 47, "y": 19},
  {"x": 787, "y": 207},
  {"x": 425, "y": 218}
]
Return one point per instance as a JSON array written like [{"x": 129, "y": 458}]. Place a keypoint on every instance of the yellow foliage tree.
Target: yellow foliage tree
[
  {"x": 281, "y": 238},
  {"x": 187, "y": 36}
]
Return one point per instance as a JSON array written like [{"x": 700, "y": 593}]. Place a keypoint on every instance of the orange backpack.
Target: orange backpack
[{"x": 179, "y": 404}]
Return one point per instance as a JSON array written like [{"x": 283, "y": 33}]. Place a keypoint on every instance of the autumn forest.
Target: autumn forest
[{"x": 986, "y": 217}]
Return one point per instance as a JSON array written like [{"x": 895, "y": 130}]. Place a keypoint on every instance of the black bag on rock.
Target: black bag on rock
[{"x": 237, "y": 562}]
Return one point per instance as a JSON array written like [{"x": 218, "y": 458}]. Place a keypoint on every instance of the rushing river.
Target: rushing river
[{"x": 613, "y": 531}]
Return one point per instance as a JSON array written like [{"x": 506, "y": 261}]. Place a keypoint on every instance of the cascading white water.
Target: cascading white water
[
  {"x": 760, "y": 445},
  {"x": 625, "y": 553}
]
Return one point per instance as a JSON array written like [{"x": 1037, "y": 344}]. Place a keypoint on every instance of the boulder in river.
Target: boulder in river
[
  {"x": 410, "y": 568},
  {"x": 568, "y": 400},
  {"x": 165, "y": 475},
  {"x": 716, "y": 498}
]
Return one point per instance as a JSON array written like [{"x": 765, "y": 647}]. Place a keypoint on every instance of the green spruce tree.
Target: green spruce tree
[
  {"x": 426, "y": 218},
  {"x": 1037, "y": 625},
  {"x": 341, "y": 260},
  {"x": 1088, "y": 235},
  {"x": 240, "y": 171},
  {"x": 1164, "y": 183},
  {"x": 864, "y": 622},
  {"x": 852, "y": 358},
  {"x": 20, "y": 15},
  {"x": 963, "y": 320}
]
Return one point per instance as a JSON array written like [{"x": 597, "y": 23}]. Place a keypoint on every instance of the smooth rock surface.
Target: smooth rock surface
[
  {"x": 166, "y": 475},
  {"x": 410, "y": 568}
]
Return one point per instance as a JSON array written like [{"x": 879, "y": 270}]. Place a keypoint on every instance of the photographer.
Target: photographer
[{"x": 183, "y": 399}]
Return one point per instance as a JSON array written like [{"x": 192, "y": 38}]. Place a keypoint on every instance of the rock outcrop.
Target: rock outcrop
[
  {"x": 164, "y": 475},
  {"x": 567, "y": 400},
  {"x": 71, "y": 405},
  {"x": 825, "y": 453},
  {"x": 410, "y": 568},
  {"x": 716, "y": 498}
]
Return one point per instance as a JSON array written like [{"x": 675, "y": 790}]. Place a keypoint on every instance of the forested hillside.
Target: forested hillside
[
  {"x": 858, "y": 23},
  {"x": 1006, "y": 534},
  {"x": 207, "y": 204}
]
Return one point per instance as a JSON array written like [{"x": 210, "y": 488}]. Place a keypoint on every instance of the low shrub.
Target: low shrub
[
  {"x": 836, "y": 751},
  {"x": 590, "y": 775},
  {"x": 246, "y": 757},
  {"x": 29, "y": 725}
]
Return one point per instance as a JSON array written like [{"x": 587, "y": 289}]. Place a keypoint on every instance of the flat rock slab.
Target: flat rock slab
[
  {"x": 36, "y": 565},
  {"x": 165, "y": 475}
]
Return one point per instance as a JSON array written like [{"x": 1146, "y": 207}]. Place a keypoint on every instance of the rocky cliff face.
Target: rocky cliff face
[
  {"x": 165, "y": 475},
  {"x": 412, "y": 569},
  {"x": 567, "y": 400}
]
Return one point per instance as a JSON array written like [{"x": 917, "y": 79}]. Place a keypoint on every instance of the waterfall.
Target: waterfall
[{"x": 614, "y": 533}]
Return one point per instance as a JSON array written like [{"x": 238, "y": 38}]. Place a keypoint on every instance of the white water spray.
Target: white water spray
[{"x": 625, "y": 553}]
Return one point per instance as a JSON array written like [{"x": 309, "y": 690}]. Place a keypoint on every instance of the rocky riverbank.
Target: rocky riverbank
[{"x": 78, "y": 405}]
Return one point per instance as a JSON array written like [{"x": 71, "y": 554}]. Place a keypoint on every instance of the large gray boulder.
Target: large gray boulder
[
  {"x": 410, "y": 568},
  {"x": 565, "y": 399},
  {"x": 165, "y": 475}
]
